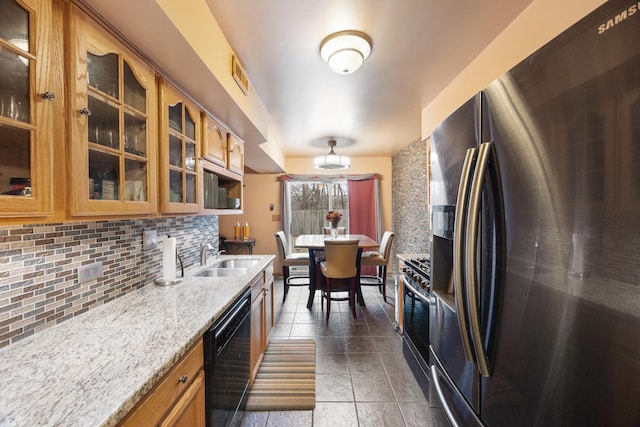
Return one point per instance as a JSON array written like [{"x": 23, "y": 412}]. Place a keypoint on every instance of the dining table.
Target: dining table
[{"x": 315, "y": 243}]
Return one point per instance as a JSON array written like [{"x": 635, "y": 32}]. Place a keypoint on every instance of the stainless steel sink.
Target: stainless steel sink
[
  {"x": 221, "y": 272},
  {"x": 237, "y": 263}
]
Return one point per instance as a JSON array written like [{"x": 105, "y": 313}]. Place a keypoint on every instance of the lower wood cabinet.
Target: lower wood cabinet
[
  {"x": 189, "y": 410},
  {"x": 257, "y": 335},
  {"x": 262, "y": 317},
  {"x": 178, "y": 399},
  {"x": 269, "y": 315}
]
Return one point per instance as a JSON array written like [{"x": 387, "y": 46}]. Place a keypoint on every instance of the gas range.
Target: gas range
[
  {"x": 416, "y": 290},
  {"x": 418, "y": 271}
]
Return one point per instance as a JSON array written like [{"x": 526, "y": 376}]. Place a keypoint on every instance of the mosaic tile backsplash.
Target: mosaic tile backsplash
[
  {"x": 39, "y": 266},
  {"x": 410, "y": 204}
]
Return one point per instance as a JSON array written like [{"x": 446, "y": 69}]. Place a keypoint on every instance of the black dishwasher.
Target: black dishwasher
[{"x": 226, "y": 363}]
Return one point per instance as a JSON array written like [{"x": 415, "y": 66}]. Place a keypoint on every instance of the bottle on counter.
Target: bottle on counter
[
  {"x": 245, "y": 231},
  {"x": 237, "y": 231}
]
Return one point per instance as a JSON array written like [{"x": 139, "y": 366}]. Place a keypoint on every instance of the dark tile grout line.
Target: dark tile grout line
[{"x": 378, "y": 313}]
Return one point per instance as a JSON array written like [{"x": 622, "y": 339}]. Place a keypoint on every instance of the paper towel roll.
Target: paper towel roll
[{"x": 169, "y": 258}]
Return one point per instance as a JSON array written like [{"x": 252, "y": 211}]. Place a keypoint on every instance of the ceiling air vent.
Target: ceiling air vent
[{"x": 238, "y": 75}]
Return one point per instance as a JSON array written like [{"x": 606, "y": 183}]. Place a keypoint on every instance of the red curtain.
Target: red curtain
[
  {"x": 362, "y": 212},
  {"x": 362, "y": 207}
]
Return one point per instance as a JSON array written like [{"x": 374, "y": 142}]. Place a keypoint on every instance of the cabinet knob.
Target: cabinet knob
[
  {"x": 183, "y": 379},
  {"x": 85, "y": 112},
  {"x": 48, "y": 96}
]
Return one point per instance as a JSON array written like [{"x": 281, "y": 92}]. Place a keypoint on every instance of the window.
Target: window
[{"x": 309, "y": 202}]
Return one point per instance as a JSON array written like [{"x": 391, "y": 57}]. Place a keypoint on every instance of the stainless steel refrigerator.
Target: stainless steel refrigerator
[{"x": 535, "y": 269}]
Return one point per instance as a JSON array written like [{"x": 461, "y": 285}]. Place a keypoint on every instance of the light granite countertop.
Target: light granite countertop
[{"x": 92, "y": 369}]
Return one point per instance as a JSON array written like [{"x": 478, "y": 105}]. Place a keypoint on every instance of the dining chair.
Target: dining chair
[
  {"x": 341, "y": 270},
  {"x": 341, "y": 230},
  {"x": 289, "y": 259},
  {"x": 380, "y": 260}
]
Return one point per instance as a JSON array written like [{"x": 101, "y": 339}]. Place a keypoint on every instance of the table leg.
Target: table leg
[
  {"x": 358, "y": 276},
  {"x": 312, "y": 277}
]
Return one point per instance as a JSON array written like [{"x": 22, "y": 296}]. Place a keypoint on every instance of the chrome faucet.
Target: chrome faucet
[{"x": 204, "y": 247}]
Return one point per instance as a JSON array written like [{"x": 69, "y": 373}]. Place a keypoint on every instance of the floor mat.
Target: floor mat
[{"x": 286, "y": 379}]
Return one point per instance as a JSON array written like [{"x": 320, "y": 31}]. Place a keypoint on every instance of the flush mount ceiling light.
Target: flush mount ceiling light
[
  {"x": 345, "y": 51},
  {"x": 331, "y": 160}
]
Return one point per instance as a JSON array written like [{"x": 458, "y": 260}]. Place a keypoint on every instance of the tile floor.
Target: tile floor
[{"x": 362, "y": 378}]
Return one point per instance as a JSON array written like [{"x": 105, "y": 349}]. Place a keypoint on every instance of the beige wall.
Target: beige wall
[
  {"x": 535, "y": 26},
  {"x": 260, "y": 190}
]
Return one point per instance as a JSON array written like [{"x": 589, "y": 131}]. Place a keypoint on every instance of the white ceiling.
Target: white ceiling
[{"x": 419, "y": 46}]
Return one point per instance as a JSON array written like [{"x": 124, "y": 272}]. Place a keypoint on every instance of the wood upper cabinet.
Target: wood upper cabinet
[
  {"x": 27, "y": 100},
  {"x": 236, "y": 155},
  {"x": 214, "y": 142},
  {"x": 180, "y": 136},
  {"x": 221, "y": 169},
  {"x": 113, "y": 125},
  {"x": 221, "y": 147}
]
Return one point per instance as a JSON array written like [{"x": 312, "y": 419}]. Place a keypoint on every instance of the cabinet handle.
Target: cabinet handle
[
  {"x": 183, "y": 379},
  {"x": 85, "y": 112},
  {"x": 48, "y": 96}
]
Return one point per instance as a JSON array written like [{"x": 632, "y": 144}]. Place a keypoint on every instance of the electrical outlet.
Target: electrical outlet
[
  {"x": 149, "y": 239},
  {"x": 89, "y": 272}
]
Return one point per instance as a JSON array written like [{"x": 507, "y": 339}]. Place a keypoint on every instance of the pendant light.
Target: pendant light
[{"x": 332, "y": 160}]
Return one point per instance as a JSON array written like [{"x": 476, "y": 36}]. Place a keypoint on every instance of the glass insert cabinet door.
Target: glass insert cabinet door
[
  {"x": 113, "y": 125},
  {"x": 25, "y": 111},
  {"x": 180, "y": 125}
]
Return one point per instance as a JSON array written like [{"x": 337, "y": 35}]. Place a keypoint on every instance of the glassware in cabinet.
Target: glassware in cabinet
[
  {"x": 179, "y": 147},
  {"x": 25, "y": 110},
  {"x": 112, "y": 123}
]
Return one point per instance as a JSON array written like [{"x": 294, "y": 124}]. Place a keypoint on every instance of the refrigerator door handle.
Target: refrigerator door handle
[
  {"x": 459, "y": 242},
  {"x": 473, "y": 221},
  {"x": 435, "y": 375}
]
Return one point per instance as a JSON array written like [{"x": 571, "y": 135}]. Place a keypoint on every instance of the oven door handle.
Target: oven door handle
[
  {"x": 459, "y": 243},
  {"x": 413, "y": 290}
]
